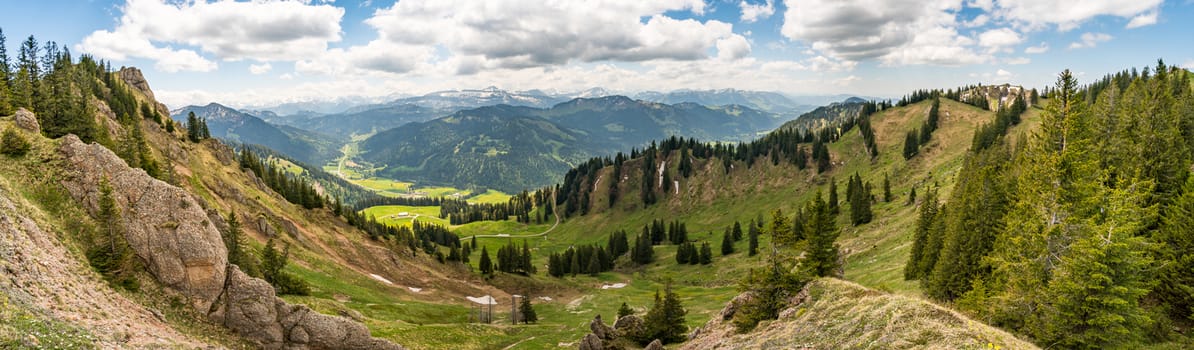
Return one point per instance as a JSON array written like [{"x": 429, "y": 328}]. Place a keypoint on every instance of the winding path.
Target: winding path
[{"x": 544, "y": 233}]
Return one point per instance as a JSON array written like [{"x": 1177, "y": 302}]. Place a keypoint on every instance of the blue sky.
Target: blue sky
[{"x": 254, "y": 54}]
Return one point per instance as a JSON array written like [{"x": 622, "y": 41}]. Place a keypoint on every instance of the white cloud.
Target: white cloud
[
  {"x": 1042, "y": 48},
  {"x": 755, "y": 12},
  {"x": 1146, "y": 19},
  {"x": 1090, "y": 40},
  {"x": 903, "y": 32},
  {"x": 996, "y": 40},
  {"x": 1188, "y": 65},
  {"x": 733, "y": 48},
  {"x": 259, "y": 30},
  {"x": 1067, "y": 15},
  {"x": 258, "y": 69},
  {"x": 528, "y": 33},
  {"x": 978, "y": 21}
]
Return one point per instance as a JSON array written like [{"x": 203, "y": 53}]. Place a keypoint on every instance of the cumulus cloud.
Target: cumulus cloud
[
  {"x": 527, "y": 33},
  {"x": 1067, "y": 15},
  {"x": 1090, "y": 40},
  {"x": 1188, "y": 65},
  {"x": 755, "y": 12},
  {"x": 1042, "y": 48},
  {"x": 259, "y": 30},
  {"x": 903, "y": 32},
  {"x": 258, "y": 69},
  {"x": 999, "y": 39}
]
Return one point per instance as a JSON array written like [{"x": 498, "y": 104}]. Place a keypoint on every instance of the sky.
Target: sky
[{"x": 263, "y": 53}]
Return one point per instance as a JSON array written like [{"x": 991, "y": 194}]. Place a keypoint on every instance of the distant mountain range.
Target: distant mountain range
[
  {"x": 233, "y": 125},
  {"x": 826, "y": 115},
  {"x": 516, "y": 147}
]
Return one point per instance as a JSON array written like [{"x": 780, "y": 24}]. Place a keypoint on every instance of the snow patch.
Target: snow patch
[
  {"x": 416, "y": 290},
  {"x": 379, "y": 278},
  {"x": 545, "y": 298},
  {"x": 613, "y": 286}
]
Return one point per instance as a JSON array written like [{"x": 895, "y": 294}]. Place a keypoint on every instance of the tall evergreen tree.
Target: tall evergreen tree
[
  {"x": 920, "y": 236},
  {"x": 665, "y": 320},
  {"x": 820, "y": 231},
  {"x": 527, "y": 310},
  {"x": 727, "y": 243},
  {"x": 887, "y": 196},
  {"x": 753, "y": 247},
  {"x": 485, "y": 264},
  {"x": 1176, "y": 278},
  {"x": 833, "y": 202}
]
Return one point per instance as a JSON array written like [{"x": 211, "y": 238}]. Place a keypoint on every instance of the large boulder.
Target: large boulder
[
  {"x": 654, "y": 345},
  {"x": 163, "y": 224},
  {"x": 25, "y": 119},
  {"x": 600, "y": 329},
  {"x": 133, "y": 77},
  {"x": 591, "y": 342},
  {"x": 630, "y": 326}
]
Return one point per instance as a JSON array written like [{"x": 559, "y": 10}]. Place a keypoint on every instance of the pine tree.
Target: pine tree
[
  {"x": 192, "y": 127},
  {"x": 753, "y": 247},
  {"x": 13, "y": 144},
  {"x": 706, "y": 255},
  {"x": 665, "y": 320},
  {"x": 780, "y": 228},
  {"x": 911, "y": 144},
  {"x": 527, "y": 310},
  {"x": 6, "y": 76},
  {"x": 594, "y": 264},
  {"x": 727, "y": 243},
  {"x": 833, "y": 202},
  {"x": 485, "y": 265},
  {"x": 887, "y": 196},
  {"x": 1176, "y": 275},
  {"x": 822, "y": 253},
  {"x": 737, "y": 231},
  {"x": 920, "y": 236},
  {"x": 860, "y": 201},
  {"x": 111, "y": 255},
  {"x": 234, "y": 241},
  {"x": 624, "y": 311}
]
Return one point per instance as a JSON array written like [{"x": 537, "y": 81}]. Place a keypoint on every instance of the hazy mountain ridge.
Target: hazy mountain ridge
[{"x": 230, "y": 124}]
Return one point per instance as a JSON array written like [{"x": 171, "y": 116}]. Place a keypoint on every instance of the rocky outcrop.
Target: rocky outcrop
[
  {"x": 164, "y": 225},
  {"x": 40, "y": 275},
  {"x": 250, "y": 308},
  {"x": 591, "y": 342},
  {"x": 600, "y": 329},
  {"x": 630, "y": 326},
  {"x": 654, "y": 345},
  {"x": 25, "y": 119},
  {"x": 181, "y": 246},
  {"x": 133, "y": 77}
]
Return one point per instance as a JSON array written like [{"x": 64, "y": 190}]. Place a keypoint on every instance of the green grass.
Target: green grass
[
  {"x": 21, "y": 327},
  {"x": 387, "y": 214},
  {"x": 490, "y": 196}
]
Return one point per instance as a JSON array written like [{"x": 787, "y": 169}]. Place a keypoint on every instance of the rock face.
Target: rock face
[
  {"x": 25, "y": 119},
  {"x": 591, "y": 342},
  {"x": 38, "y": 273},
  {"x": 164, "y": 225},
  {"x": 630, "y": 326},
  {"x": 133, "y": 77},
  {"x": 600, "y": 329},
  {"x": 181, "y": 246},
  {"x": 250, "y": 308},
  {"x": 655, "y": 345}
]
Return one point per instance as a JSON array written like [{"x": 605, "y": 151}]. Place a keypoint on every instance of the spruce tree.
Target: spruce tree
[
  {"x": 753, "y": 247},
  {"x": 727, "y": 244},
  {"x": 822, "y": 253},
  {"x": 911, "y": 144},
  {"x": 737, "y": 231},
  {"x": 665, "y": 320},
  {"x": 12, "y": 143},
  {"x": 485, "y": 265},
  {"x": 920, "y": 235},
  {"x": 887, "y": 196},
  {"x": 833, "y": 202},
  {"x": 527, "y": 310},
  {"x": 1175, "y": 277},
  {"x": 624, "y": 311},
  {"x": 780, "y": 228},
  {"x": 706, "y": 254},
  {"x": 111, "y": 255}
]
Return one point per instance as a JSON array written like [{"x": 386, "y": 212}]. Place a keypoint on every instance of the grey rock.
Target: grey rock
[
  {"x": 591, "y": 342},
  {"x": 654, "y": 345},
  {"x": 600, "y": 329},
  {"x": 732, "y": 307},
  {"x": 630, "y": 326},
  {"x": 25, "y": 119},
  {"x": 265, "y": 227},
  {"x": 163, "y": 224}
]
